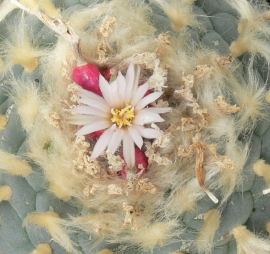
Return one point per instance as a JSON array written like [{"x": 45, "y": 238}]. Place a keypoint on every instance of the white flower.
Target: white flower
[{"x": 122, "y": 112}]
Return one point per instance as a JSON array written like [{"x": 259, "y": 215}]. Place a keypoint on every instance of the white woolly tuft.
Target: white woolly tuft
[
  {"x": 5, "y": 193},
  {"x": 54, "y": 225},
  {"x": 48, "y": 7},
  {"x": 249, "y": 243},
  {"x": 5, "y": 8},
  {"x": 253, "y": 28},
  {"x": 204, "y": 242},
  {"x": 179, "y": 12},
  {"x": 21, "y": 48},
  {"x": 12, "y": 164},
  {"x": 3, "y": 122},
  {"x": 42, "y": 248},
  {"x": 263, "y": 169},
  {"x": 27, "y": 98}
]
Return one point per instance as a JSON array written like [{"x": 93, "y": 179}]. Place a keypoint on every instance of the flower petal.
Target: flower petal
[
  {"x": 136, "y": 137},
  {"x": 147, "y": 117},
  {"x": 83, "y": 119},
  {"x": 106, "y": 90},
  {"x": 129, "y": 82},
  {"x": 95, "y": 126},
  {"x": 95, "y": 104},
  {"x": 102, "y": 143},
  {"x": 115, "y": 140},
  {"x": 128, "y": 150},
  {"x": 148, "y": 132},
  {"x": 139, "y": 94},
  {"x": 114, "y": 95},
  {"x": 132, "y": 79},
  {"x": 121, "y": 81},
  {"x": 137, "y": 70},
  {"x": 90, "y": 95},
  {"x": 90, "y": 111},
  {"x": 148, "y": 99}
]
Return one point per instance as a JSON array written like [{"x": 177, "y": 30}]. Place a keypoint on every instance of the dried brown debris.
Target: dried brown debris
[
  {"x": 164, "y": 39},
  {"x": 146, "y": 186},
  {"x": 102, "y": 51},
  {"x": 53, "y": 119},
  {"x": 224, "y": 60},
  {"x": 203, "y": 71},
  {"x": 106, "y": 28},
  {"x": 82, "y": 161},
  {"x": 132, "y": 215},
  {"x": 225, "y": 107}
]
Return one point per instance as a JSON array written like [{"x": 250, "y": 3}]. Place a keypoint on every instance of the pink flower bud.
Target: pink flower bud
[
  {"x": 148, "y": 91},
  {"x": 95, "y": 135},
  {"x": 141, "y": 162},
  {"x": 107, "y": 73},
  {"x": 87, "y": 76}
]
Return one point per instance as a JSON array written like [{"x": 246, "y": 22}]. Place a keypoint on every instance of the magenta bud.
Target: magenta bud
[
  {"x": 107, "y": 73},
  {"x": 87, "y": 76},
  {"x": 141, "y": 162},
  {"x": 124, "y": 171},
  {"x": 147, "y": 92},
  {"x": 140, "y": 159},
  {"x": 95, "y": 135}
]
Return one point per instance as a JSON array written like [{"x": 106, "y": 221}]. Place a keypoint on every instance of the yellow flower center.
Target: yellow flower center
[{"x": 124, "y": 116}]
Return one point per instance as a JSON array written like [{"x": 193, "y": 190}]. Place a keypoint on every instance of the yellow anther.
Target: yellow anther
[{"x": 123, "y": 117}]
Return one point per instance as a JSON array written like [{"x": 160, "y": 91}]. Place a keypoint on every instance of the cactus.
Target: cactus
[{"x": 134, "y": 126}]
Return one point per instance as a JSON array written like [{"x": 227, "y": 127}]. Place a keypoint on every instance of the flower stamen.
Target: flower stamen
[{"x": 123, "y": 117}]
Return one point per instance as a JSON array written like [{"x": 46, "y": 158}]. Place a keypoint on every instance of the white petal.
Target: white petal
[
  {"x": 147, "y": 117},
  {"x": 157, "y": 110},
  {"x": 137, "y": 69},
  {"x": 148, "y": 99},
  {"x": 102, "y": 143},
  {"x": 95, "y": 126},
  {"x": 132, "y": 79},
  {"x": 90, "y": 111},
  {"x": 116, "y": 140},
  {"x": 148, "y": 132},
  {"x": 105, "y": 89},
  {"x": 83, "y": 119},
  {"x": 136, "y": 137},
  {"x": 114, "y": 95},
  {"x": 121, "y": 81},
  {"x": 129, "y": 82},
  {"x": 139, "y": 94},
  {"x": 128, "y": 150},
  {"x": 95, "y": 104},
  {"x": 90, "y": 95}
]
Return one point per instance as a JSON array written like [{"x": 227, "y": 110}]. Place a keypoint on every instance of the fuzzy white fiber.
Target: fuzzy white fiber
[
  {"x": 42, "y": 248},
  {"x": 51, "y": 222},
  {"x": 5, "y": 193},
  {"x": 11, "y": 164},
  {"x": 20, "y": 48},
  {"x": 249, "y": 243},
  {"x": 253, "y": 28},
  {"x": 211, "y": 223}
]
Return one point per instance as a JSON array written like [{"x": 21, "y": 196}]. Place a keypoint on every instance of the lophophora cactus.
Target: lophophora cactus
[{"x": 134, "y": 126}]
